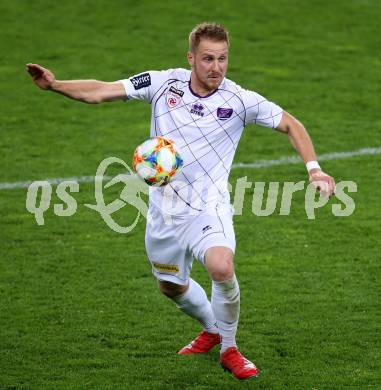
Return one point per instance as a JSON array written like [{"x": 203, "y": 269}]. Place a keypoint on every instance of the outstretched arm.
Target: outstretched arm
[
  {"x": 301, "y": 141},
  {"x": 88, "y": 91}
]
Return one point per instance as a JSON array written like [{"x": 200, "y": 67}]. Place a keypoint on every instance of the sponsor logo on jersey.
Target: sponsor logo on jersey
[
  {"x": 224, "y": 113},
  {"x": 197, "y": 109},
  {"x": 141, "y": 81},
  {"x": 176, "y": 91},
  {"x": 171, "y": 268}
]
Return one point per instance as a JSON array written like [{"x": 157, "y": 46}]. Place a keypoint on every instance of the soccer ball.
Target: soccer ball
[{"x": 156, "y": 161}]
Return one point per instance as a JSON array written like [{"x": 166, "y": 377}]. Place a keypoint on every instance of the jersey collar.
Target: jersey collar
[{"x": 199, "y": 96}]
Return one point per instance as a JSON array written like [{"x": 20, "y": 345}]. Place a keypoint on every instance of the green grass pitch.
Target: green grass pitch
[{"x": 79, "y": 308}]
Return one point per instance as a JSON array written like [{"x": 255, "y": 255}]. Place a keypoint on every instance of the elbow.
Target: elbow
[
  {"x": 93, "y": 96},
  {"x": 290, "y": 125},
  {"x": 92, "y": 99},
  {"x": 294, "y": 127}
]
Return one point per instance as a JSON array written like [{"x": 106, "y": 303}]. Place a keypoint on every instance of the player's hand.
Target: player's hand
[
  {"x": 42, "y": 77},
  {"x": 322, "y": 182}
]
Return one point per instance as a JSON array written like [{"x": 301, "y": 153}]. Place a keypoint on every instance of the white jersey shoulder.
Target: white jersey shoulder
[
  {"x": 257, "y": 109},
  {"x": 143, "y": 86}
]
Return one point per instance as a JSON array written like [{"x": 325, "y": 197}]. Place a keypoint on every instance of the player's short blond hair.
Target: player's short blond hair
[{"x": 213, "y": 31}]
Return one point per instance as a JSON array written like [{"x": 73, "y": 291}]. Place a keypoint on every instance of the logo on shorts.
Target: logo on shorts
[
  {"x": 171, "y": 268},
  {"x": 206, "y": 228},
  {"x": 141, "y": 81},
  {"x": 224, "y": 113},
  {"x": 197, "y": 109}
]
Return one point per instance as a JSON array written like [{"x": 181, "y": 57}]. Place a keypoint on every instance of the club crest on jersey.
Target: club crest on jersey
[
  {"x": 197, "y": 109},
  {"x": 141, "y": 81},
  {"x": 173, "y": 97},
  {"x": 172, "y": 100},
  {"x": 224, "y": 113}
]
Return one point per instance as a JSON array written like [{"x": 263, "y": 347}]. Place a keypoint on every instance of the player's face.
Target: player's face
[{"x": 209, "y": 64}]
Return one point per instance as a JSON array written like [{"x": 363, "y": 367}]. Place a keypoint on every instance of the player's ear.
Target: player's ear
[{"x": 190, "y": 57}]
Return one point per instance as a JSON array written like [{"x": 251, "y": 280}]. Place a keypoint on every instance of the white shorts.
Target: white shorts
[{"x": 172, "y": 245}]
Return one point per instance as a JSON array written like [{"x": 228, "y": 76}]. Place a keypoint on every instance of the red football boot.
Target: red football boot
[
  {"x": 204, "y": 342},
  {"x": 233, "y": 361}
]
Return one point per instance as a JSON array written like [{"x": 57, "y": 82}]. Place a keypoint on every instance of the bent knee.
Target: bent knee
[
  {"x": 222, "y": 270},
  {"x": 170, "y": 289},
  {"x": 222, "y": 273},
  {"x": 219, "y": 262}
]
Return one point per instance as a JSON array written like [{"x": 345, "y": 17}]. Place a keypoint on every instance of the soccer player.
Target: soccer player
[{"x": 204, "y": 113}]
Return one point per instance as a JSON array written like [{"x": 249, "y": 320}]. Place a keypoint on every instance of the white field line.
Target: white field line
[
  {"x": 254, "y": 165},
  {"x": 296, "y": 159}
]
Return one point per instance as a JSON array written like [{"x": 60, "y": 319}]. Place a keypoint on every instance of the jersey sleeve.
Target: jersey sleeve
[
  {"x": 259, "y": 110},
  {"x": 143, "y": 86}
]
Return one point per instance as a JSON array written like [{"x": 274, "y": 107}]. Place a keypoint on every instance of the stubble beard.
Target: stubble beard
[{"x": 208, "y": 84}]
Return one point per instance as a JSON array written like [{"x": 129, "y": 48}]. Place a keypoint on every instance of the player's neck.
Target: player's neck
[{"x": 200, "y": 89}]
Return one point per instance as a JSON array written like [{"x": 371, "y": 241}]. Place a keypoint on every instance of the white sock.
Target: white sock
[
  {"x": 195, "y": 303},
  {"x": 225, "y": 304}
]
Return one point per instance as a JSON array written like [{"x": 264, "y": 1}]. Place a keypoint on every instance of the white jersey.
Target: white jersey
[{"x": 206, "y": 131}]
